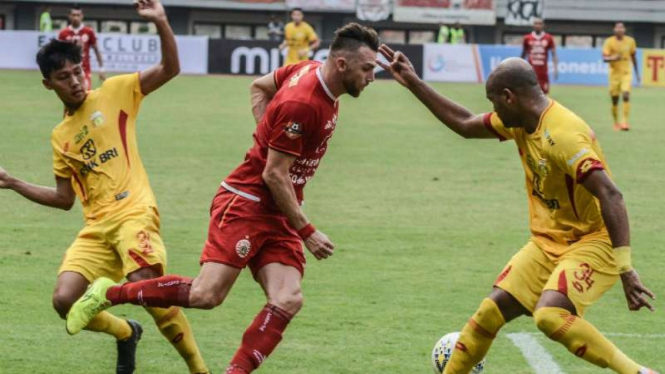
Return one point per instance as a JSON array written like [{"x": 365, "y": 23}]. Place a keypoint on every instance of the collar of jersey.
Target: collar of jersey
[
  {"x": 542, "y": 117},
  {"x": 324, "y": 85},
  {"x": 78, "y": 29}
]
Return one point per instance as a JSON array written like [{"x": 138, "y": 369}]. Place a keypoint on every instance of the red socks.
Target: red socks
[
  {"x": 162, "y": 292},
  {"x": 260, "y": 338}
]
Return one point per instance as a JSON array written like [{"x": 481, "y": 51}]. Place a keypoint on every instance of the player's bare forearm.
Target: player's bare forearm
[
  {"x": 315, "y": 44},
  {"x": 454, "y": 116},
  {"x": 612, "y": 207},
  {"x": 62, "y": 197},
  {"x": 262, "y": 91},
  {"x": 98, "y": 54},
  {"x": 284, "y": 195},
  {"x": 637, "y": 72},
  {"x": 169, "y": 66}
]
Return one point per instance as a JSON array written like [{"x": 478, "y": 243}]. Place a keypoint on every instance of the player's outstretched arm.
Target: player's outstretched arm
[
  {"x": 276, "y": 177},
  {"x": 456, "y": 117},
  {"x": 100, "y": 61},
  {"x": 61, "y": 197},
  {"x": 615, "y": 216},
  {"x": 262, "y": 91},
  {"x": 155, "y": 76},
  {"x": 633, "y": 57}
]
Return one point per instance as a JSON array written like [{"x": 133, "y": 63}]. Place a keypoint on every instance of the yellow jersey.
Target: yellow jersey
[
  {"x": 298, "y": 38},
  {"x": 625, "y": 48},
  {"x": 557, "y": 157},
  {"x": 96, "y": 148}
]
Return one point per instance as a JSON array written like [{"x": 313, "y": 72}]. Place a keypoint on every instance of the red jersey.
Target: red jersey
[
  {"x": 537, "y": 48},
  {"x": 300, "y": 120},
  {"x": 83, "y": 36}
]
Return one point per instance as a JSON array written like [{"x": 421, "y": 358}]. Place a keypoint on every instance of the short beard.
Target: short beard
[{"x": 351, "y": 88}]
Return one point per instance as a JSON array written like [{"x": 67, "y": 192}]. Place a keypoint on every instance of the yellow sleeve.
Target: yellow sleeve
[
  {"x": 607, "y": 47},
  {"x": 60, "y": 167},
  {"x": 573, "y": 152},
  {"x": 125, "y": 89},
  {"x": 493, "y": 123},
  {"x": 311, "y": 34}
]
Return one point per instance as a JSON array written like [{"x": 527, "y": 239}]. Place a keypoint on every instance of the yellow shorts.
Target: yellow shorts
[
  {"x": 620, "y": 83},
  {"x": 117, "y": 246},
  {"x": 583, "y": 274},
  {"x": 292, "y": 60}
]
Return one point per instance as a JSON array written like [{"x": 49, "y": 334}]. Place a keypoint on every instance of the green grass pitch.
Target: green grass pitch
[{"x": 422, "y": 219}]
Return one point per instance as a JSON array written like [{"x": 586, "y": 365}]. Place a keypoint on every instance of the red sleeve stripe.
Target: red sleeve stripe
[
  {"x": 487, "y": 121},
  {"x": 586, "y": 167},
  {"x": 278, "y": 149}
]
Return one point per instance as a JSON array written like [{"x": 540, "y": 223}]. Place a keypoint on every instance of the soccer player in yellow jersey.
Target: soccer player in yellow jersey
[
  {"x": 299, "y": 39},
  {"x": 95, "y": 157},
  {"x": 619, "y": 51},
  {"x": 580, "y": 242}
]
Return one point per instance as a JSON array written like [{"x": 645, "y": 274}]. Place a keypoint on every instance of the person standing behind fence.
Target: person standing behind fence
[
  {"x": 275, "y": 28},
  {"x": 45, "y": 23},
  {"x": 444, "y": 34},
  {"x": 299, "y": 38},
  {"x": 619, "y": 50},
  {"x": 457, "y": 35},
  {"x": 536, "y": 48}
]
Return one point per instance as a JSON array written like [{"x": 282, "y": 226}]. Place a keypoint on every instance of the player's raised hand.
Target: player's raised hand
[
  {"x": 636, "y": 292},
  {"x": 398, "y": 65},
  {"x": 4, "y": 178},
  {"x": 320, "y": 246},
  {"x": 151, "y": 10}
]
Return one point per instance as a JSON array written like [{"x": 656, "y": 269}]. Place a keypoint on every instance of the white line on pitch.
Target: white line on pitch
[
  {"x": 535, "y": 354},
  {"x": 619, "y": 334}
]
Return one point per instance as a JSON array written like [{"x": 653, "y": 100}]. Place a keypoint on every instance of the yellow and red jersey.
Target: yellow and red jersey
[
  {"x": 625, "y": 48},
  {"x": 557, "y": 158},
  {"x": 298, "y": 38},
  {"x": 96, "y": 147}
]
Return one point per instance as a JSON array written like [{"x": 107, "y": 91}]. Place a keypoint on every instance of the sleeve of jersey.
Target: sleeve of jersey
[
  {"x": 293, "y": 121},
  {"x": 493, "y": 123},
  {"x": 126, "y": 89},
  {"x": 282, "y": 74},
  {"x": 312, "y": 35},
  {"x": 573, "y": 153},
  {"x": 607, "y": 50},
  {"x": 60, "y": 167}
]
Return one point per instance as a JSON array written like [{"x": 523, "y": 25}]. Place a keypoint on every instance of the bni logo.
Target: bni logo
[{"x": 436, "y": 63}]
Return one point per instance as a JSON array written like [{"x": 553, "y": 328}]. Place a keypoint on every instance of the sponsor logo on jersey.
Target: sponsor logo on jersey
[
  {"x": 293, "y": 130},
  {"x": 81, "y": 135},
  {"x": 121, "y": 195},
  {"x": 577, "y": 156},
  {"x": 88, "y": 150},
  {"x": 243, "y": 247}
]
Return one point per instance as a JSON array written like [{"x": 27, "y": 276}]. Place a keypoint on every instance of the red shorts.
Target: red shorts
[
  {"x": 243, "y": 232},
  {"x": 88, "y": 80},
  {"x": 543, "y": 79}
]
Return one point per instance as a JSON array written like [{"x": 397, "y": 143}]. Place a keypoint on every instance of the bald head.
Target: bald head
[{"x": 514, "y": 74}]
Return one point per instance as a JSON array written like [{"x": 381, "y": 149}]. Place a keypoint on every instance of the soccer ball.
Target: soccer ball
[{"x": 444, "y": 349}]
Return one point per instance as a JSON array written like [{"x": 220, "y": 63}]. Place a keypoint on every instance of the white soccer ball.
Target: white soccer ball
[{"x": 444, "y": 349}]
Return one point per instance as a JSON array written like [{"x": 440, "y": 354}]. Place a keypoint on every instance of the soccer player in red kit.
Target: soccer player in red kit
[
  {"x": 536, "y": 48},
  {"x": 85, "y": 37},
  {"x": 256, "y": 217}
]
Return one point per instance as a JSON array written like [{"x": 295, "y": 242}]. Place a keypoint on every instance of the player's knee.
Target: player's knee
[
  {"x": 290, "y": 301},
  {"x": 626, "y": 98},
  {"x": 548, "y": 320},
  {"x": 204, "y": 298},
  {"x": 62, "y": 301}
]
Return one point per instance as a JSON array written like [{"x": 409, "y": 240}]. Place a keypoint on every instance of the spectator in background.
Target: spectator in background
[
  {"x": 85, "y": 37},
  {"x": 299, "y": 38},
  {"x": 457, "y": 35},
  {"x": 275, "y": 28},
  {"x": 45, "y": 23},
  {"x": 444, "y": 34}
]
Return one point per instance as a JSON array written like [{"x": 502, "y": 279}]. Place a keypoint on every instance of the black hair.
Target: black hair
[
  {"x": 296, "y": 10},
  {"x": 55, "y": 54},
  {"x": 75, "y": 6},
  {"x": 352, "y": 36}
]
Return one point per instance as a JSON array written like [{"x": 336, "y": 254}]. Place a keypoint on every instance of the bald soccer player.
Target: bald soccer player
[{"x": 580, "y": 243}]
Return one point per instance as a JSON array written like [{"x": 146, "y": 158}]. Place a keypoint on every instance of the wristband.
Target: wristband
[
  {"x": 622, "y": 256},
  {"x": 307, "y": 231},
  {"x": 102, "y": 70}
]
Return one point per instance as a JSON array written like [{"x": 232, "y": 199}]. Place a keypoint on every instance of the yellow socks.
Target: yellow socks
[
  {"x": 176, "y": 329},
  {"x": 108, "y": 323},
  {"x": 615, "y": 113},
  {"x": 476, "y": 338},
  {"x": 626, "y": 111},
  {"x": 583, "y": 340}
]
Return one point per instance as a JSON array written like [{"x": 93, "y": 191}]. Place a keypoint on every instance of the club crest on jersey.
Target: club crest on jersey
[
  {"x": 243, "y": 247},
  {"x": 97, "y": 118},
  {"x": 293, "y": 130}
]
